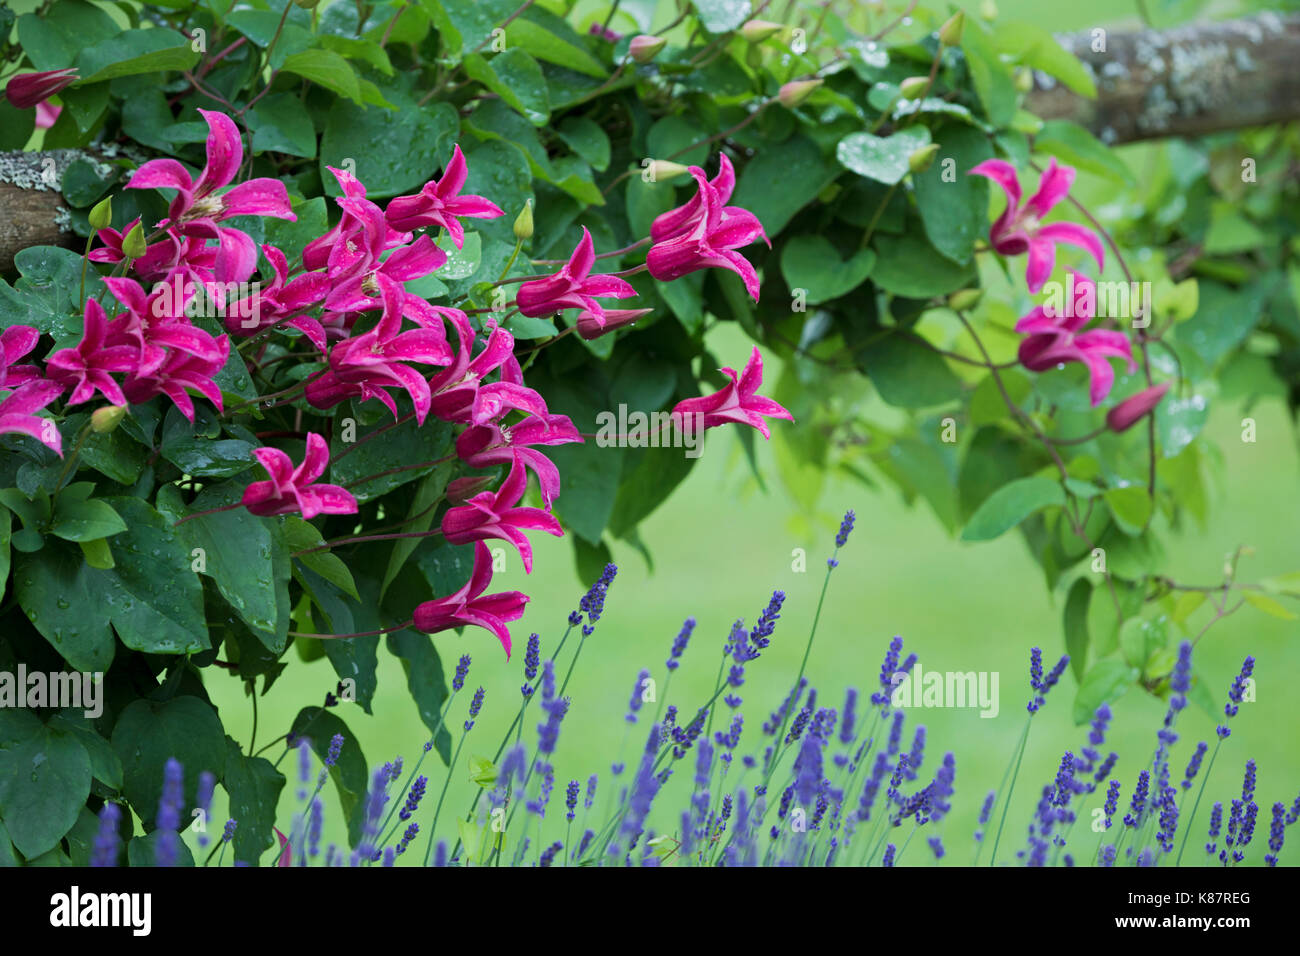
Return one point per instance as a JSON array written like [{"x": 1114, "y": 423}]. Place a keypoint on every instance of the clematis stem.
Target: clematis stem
[
  {"x": 365, "y": 537},
  {"x": 327, "y": 637},
  {"x": 398, "y": 469}
]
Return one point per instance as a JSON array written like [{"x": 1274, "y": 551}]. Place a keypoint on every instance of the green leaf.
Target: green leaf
[
  {"x": 1074, "y": 145},
  {"x": 143, "y": 851},
  {"x": 53, "y": 39},
  {"x": 44, "y": 780},
  {"x": 1139, "y": 638},
  {"x": 148, "y": 733},
  {"x": 1130, "y": 506},
  {"x": 1010, "y": 505},
  {"x": 1262, "y": 602},
  {"x": 550, "y": 38},
  {"x": 812, "y": 263},
  {"x": 254, "y": 787},
  {"x": 953, "y": 205},
  {"x": 327, "y": 69},
  {"x": 990, "y": 76},
  {"x": 425, "y": 681},
  {"x": 781, "y": 179},
  {"x": 884, "y": 159},
  {"x": 281, "y": 125},
  {"x": 208, "y": 458},
  {"x": 909, "y": 266},
  {"x": 239, "y": 553},
  {"x": 153, "y": 597},
  {"x": 50, "y": 289},
  {"x": 84, "y": 520},
  {"x": 54, "y": 587},
  {"x": 1035, "y": 46},
  {"x": 1076, "y": 625},
  {"x": 1106, "y": 682},
  {"x": 420, "y": 517},
  {"x": 104, "y": 763},
  {"x": 722, "y": 16},
  {"x": 136, "y": 51},
  {"x": 349, "y": 773},
  {"x": 300, "y": 535},
  {"x": 907, "y": 374},
  {"x": 515, "y": 77},
  {"x": 408, "y": 443},
  {"x": 467, "y": 26},
  {"x": 586, "y": 138},
  {"x": 6, "y": 528}
]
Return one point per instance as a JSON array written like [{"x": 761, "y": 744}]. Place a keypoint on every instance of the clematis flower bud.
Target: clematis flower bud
[
  {"x": 592, "y": 326},
  {"x": 102, "y": 214},
  {"x": 524, "y": 222},
  {"x": 645, "y": 48},
  {"x": 105, "y": 419},
  {"x": 914, "y": 87},
  {"x": 950, "y": 32},
  {"x": 756, "y": 31},
  {"x": 793, "y": 94},
  {"x": 133, "y": 244},
  {"x": 1135, "y": 408},
  {"x": 26, "y": 91},
  {"x": 663, "y": 170},
  {"x": 922, "y": 159}
]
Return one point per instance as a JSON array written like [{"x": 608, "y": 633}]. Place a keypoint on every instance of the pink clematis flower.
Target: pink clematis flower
[
  {"x": 573, "y": 287},
  {"x": 197, "y": 208},
  {"x": 178, "y": 372},
  {"x": 494, "y": 515},
  {"x": 277, "y": 303},
  {"x": 470, "y": 605},
  {"x": 1052, "y": 340},
  {"x": 47, "y": 114},
  {"x": 316, "y": 254},
  {"x": 592, "y": 326},
  {"x": 1135, "y": 408},
  {"x": 15, "y": 342},
  {"x": 18, "y": 414},
  {"x": 30, "y": 89},
  {"x": 86, "y": 367},
  {"x": 457, "y": 388},
  {"x": 486, "y": 446},
  {"x": 156, "y": 323},
  {"x": 737, "y": 401},
  {"x": 355, "y": 268},
  {"x": 292, "y": 489},
  {"x": 439, "y": 203},
  {"x": 1020, "y": 229},
  {"x": 683, "y": 219},
  {"x": 714, "y": 233},
  {"x": 367, "y": 365}
]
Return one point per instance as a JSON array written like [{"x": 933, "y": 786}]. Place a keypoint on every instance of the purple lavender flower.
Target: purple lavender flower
[
  {"x": 634, "y": 703},
  {"x": 887, "y": 671},
  {"x": 1276, "y": 833},
  {"x": 590, "y": 798},
  {"x": 413, "y": 797},
  {"x": 1235, "y": 695},
  {"x": 762, "y": 632},
  {"x": 532, "y": 661},
  {"x": 773, "y": 723},
  {"x": 888, "y": 859},
  {"x": 475, "y": 705},
  {"x": 1136, "y": 808},
  {"x": 440, "y": 854},
  {"x": 228, "y": 833},
  {"x": 849, "y": 722},
  {"x": 104, "y": 850},
  {"x": 986, "y": 810},
  {"x": 548, "y": 855},
  {"x": 1168, "y": 819},
  {"x": 203, "y": 798},
  {"x": 936, "y": 845},
  {"x": 1216, "y": 822},
  {"x": 1194, "y": 765},
  {"x": 315, "y": 825},
  {"x": 593, "y": 602},
  {"x": 571, "y": 800},
  {"x": 872, "y": 787},
  {"x": 846, "y": 526},
  {"x": 917, "y": 753},
  {"x": 407, "y": 838},
  {"x": 462, "y": 671},
  {"x": 336, "y": 748},
  {"x": 1112, "y": 802},
  {"x": 679, "y": 644},
  {"x": 168, "y": 846}
]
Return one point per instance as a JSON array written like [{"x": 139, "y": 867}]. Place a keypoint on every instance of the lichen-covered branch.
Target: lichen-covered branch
[{"x": 1182, "y": 81}]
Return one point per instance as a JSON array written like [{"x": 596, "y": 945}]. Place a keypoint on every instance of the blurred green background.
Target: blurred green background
[{"x": 720, "y": 546}]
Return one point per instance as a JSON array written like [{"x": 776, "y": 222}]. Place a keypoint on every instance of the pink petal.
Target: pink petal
[
  {"x": 225, "y": 152},
  {"x": 1075, "y": 235},
  {"x": 1052, "y": 188},
  {"x": 259, "y": 197}
]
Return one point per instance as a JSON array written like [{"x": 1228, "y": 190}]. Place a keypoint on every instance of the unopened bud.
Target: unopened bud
[
  {"x": 1024, "y": 79},
  {"x": 593, "y": 327},
  {"x": 645, "y": 48},
  {"x": 756, "y": 31},
  {"x": 921, "y": 159},
  {"x": 914, "y": 87},
  {"x": 524, "y": 222},
  {"x": 107, "y": 418},
  {"x": 795, "y": 92},
  {"x": 102, "y": 214},
  {"x": 133, "y": 244},
  {"x": 662, "y": 170},
  {"x": 964, "y": 299},
  {"x": 950, "y": 32}
]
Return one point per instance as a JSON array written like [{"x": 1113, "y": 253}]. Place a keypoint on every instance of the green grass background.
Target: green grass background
[{"x": 720, "y": 546}]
